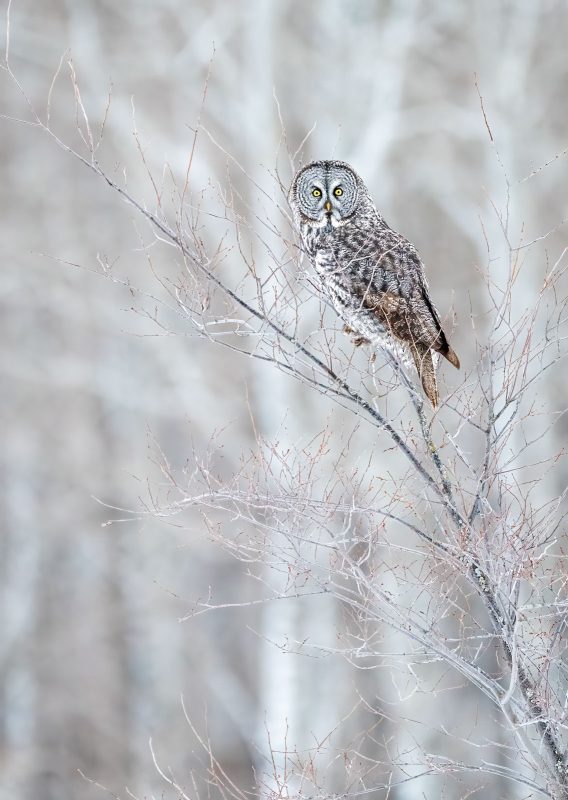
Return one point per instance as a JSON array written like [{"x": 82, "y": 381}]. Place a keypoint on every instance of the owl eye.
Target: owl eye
[
  {"x": 338, "y": 191},
  {"x": 316, "y": 192}
]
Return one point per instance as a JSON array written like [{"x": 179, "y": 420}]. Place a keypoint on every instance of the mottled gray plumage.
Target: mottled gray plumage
[{"x": 373, "y": 276}]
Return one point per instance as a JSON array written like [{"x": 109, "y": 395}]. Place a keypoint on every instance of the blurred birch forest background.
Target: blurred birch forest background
[{"x": 94, "y": 658}]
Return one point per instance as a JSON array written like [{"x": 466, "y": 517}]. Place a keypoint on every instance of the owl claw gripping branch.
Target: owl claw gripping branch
[{"x": 373, "y": 276}]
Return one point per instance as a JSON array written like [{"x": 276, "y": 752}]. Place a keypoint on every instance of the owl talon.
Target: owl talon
[{"x": 357, "y": 340}]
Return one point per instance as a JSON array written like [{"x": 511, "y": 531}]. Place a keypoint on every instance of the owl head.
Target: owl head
[{"x": 327, "y": 193}]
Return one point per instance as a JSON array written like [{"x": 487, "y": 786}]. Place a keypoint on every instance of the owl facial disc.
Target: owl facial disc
[{"x": 326, "y": 194}]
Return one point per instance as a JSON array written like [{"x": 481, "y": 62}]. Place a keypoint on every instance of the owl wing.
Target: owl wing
[
  {"x": 401, "y": 297},
  {"x": 411, "y": 318},
  {"x": 441, "y": 344},
  {"x": 398, "y": 316}
]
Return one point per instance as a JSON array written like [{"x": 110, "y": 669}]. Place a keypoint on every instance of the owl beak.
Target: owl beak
[{"x": 327, "y": 206}]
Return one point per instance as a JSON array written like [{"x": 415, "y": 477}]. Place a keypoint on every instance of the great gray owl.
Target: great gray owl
[{"x": 373, "y": 276}]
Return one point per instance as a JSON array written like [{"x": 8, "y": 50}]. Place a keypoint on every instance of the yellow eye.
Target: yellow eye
[
  {"x": 338, "y": 191},
  {"x": 316, "y": 192}
]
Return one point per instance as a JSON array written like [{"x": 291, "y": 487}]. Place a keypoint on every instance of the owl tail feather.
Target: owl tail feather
[{"x": 425, "y": 367}]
